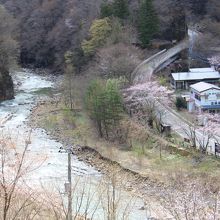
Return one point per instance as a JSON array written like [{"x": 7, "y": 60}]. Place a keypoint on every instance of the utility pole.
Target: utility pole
[{"x": 69, "y": 215}]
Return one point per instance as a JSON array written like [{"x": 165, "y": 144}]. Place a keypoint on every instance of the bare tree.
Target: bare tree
[
  {"x": 118, "y": 61},
  {"x": 105, "y": 198},
  {"x": 190, "y": 132},
  {"x": 191, "y": 199},
  {"x": 16, "y": 196}
]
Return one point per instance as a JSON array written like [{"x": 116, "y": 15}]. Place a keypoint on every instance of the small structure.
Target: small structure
[
  {"x": 183, "y": 80},
  {"x": 217, "y": 149},
  {"x": 204, "y": 97},
  {"x": 165, "y": 129}
]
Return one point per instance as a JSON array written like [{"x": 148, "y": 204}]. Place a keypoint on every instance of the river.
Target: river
[{"x": 13, "y": 117}]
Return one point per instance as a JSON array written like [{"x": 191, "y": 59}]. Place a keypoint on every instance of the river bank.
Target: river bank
[
  {"x": 102, "y": 159},
  {"x": 51, "y": 173},
  {"x": 173, "y": 177}
]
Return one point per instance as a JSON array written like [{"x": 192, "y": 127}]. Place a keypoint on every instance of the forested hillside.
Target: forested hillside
[
  {"x": 48, "y": 28},
  {"x": 51, "y": 27}
]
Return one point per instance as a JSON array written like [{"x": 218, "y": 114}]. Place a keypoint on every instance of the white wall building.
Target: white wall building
[
  {"x": 183, "y": 80},
  {"x": 204, "y": 97}
]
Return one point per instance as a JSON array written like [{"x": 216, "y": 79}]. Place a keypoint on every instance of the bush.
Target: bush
[{"x": 180, "y": 103}]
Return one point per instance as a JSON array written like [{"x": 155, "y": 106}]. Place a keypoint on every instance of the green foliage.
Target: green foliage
[
  {"x": 106, "y": 9},
  {"x": 162, "y": 81},
  {"x": 104, "y": 103},
  {"x": 117, "y": 30},
  {"x": 147, "y": 22},
  {"x": 120, "y": 9},
  {"x": 180, "y": 103},
  {"x": 99, "y": 31}
]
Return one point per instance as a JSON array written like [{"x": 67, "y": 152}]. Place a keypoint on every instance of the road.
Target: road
[
  {"x": 144, "y": 70},
  {"x": 185, "y": 128},
  {"x": 180, "y": 125}
]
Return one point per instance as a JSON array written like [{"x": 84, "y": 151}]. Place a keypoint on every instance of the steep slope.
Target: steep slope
[
  {"x": 6, "y": 86},
  {"x": 48, "y": 28},
  {"x": 8, "y": 53}
]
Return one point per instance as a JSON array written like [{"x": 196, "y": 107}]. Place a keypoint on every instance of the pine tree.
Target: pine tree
[
  {"x": 147, "y": 22},
  {"x": 104, "y": 104},
  {"x": 120, "y": 8},
  {"x": 106, "y": 9}
]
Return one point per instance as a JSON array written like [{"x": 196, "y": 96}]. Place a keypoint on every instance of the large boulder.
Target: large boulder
[{"x": 6, "y": 86}]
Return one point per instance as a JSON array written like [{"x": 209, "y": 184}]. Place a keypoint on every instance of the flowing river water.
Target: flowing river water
[{"x": 13, "y": 117}]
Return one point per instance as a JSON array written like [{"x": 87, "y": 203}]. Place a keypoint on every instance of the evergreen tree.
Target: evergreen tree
[
  {"x": 94, "y": 103},
  {"x": 147, "y": 22},
  {"x": 120, "y": 8},
  {"x": 104, "y": 104},
  {"x": 106, "y": 9}
]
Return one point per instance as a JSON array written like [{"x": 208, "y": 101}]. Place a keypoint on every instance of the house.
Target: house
[
  {"x": 204, "y": 97},
  {"x": 183, "y": 80}
]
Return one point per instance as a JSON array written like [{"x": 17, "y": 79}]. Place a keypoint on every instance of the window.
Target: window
[
  {"x": 197, "y": 97},
  {"x": 212, "y": 103}
]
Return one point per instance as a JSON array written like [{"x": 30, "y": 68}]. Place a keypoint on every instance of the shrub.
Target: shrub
[{"x": 180, "y": 103}]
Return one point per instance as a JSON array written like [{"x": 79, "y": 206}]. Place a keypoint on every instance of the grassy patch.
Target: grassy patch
[
  {"x": 44, "y": 91},
  {"x": 50, "y": 122},
  {"x": 144, "y": 156}
]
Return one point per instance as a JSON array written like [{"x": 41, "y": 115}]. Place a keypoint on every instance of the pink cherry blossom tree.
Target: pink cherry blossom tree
[{"x": 215, "y": 61}]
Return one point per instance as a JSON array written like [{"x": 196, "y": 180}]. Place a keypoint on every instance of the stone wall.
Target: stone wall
[{"x": 6, "y": 86}]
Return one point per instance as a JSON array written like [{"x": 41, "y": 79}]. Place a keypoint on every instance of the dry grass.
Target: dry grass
[{"x": 77, "y": 128}]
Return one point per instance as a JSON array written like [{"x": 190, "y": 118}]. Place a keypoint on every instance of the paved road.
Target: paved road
[
  {"x": 144, "y": 71},
  {"x": 184, "y": 128}
]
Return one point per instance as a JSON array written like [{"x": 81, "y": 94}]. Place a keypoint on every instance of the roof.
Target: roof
[
  {"x": 193, "y": 75},
  {"x": 202, "y": 70},
  {"x": 203, "y": 86}
]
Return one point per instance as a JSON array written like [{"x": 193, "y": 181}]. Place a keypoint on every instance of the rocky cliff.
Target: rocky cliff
[{"x": 6, "y": 86}]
